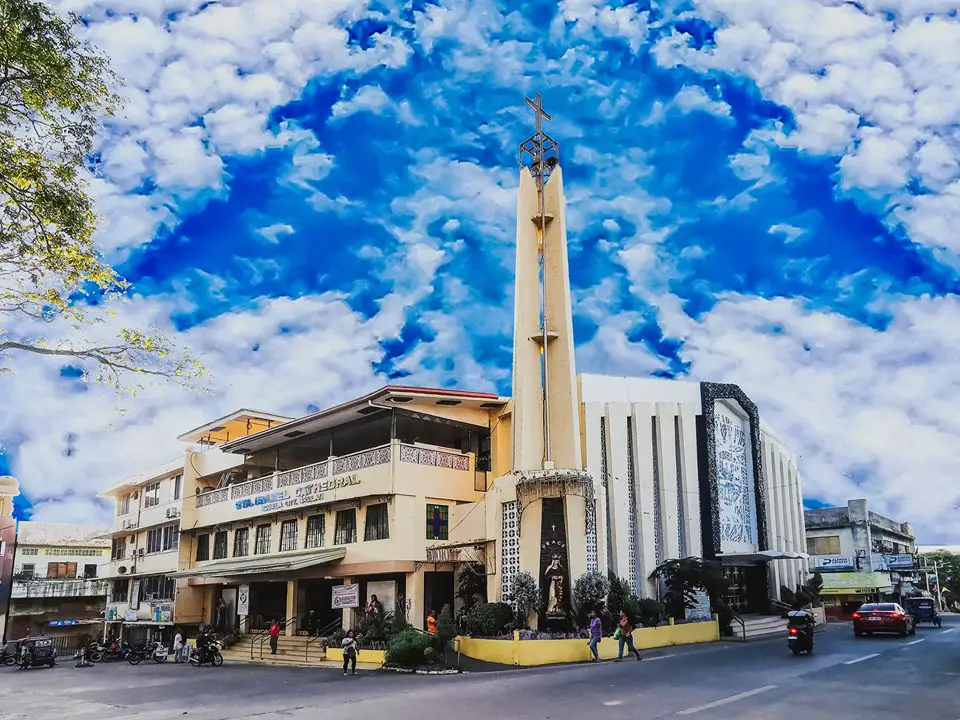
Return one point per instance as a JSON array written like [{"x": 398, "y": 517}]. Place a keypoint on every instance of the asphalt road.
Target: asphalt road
[{"x": 876, "y": 678}]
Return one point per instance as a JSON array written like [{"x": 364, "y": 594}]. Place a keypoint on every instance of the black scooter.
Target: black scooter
[{"x": 800, "y": 627}]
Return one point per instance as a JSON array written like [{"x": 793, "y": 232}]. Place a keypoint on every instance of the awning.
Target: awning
[
  {"x": 761, "y": 556},
  {"x": 863, "y": 583},
  {"x": 290, "y": 562}
]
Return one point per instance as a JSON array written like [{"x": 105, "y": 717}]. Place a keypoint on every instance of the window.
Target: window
[
  {"x": 154, "y": 540},
  {"x": 157, "y": 587},
  {"x": 220, "y": 545},
  {"x": 346, "y": 528},
  {"x": 203, "y": 547},
  {"x": 62, "y": 570},
  {"x": 171, "y": 537},
  {"x": 29, "y": 551},
  {"x": 119, "y": 591},
  {"x": 123, "y": 505},
  {"x": 241, "y": 542},
  {"x": 438, "y": 526},
  {"x": 28, "y": 570},
  {"x": 151, "y": 495},
  {"x": 377, "y": 526},
  {"x": 315, "y": 531},
  {"x": 118, "y": 550},
  {"x": 288, "y": 535},
  {"x": 89, "y": 571},
  {"x": 262, "y": 544},
  {"x": 175, "y": 482},
  {"x": 72, "y": 552},
  {"x": 823, "y": 545}
]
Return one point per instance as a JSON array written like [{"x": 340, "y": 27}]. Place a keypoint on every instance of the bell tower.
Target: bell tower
[{"x": 554, "y": 496}]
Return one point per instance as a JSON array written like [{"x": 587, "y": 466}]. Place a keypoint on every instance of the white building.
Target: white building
[{"x": 688, "y": 469}]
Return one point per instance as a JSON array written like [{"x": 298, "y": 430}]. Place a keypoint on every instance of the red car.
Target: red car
[{"x": 883, "y": 618}]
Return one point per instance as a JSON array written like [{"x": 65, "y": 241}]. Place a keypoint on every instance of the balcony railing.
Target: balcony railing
[
  {"x": 58, "y": 588},
  {"x": 336, "y": 466}
]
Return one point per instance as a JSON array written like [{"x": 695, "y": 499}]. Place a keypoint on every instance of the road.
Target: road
[{"x": 876, "y": 678}]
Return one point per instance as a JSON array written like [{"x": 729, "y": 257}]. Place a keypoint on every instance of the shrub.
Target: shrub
[
  {"x": 525, "y": 598},
  {"x": 489, "y": 619},
  {"x": 589, "y": 593},
  {"x": 471, "y": 584},
  {"x": 446, "y": 630},
  {"x": 408, "y": 649},
  {"x": 649, "y": 612}
]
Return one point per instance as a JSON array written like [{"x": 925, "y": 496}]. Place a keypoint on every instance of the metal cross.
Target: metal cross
[{"x": 539, "y": 113}]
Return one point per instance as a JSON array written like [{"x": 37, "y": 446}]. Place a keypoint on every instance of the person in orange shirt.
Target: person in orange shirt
[{"x": 432, "y": 622}]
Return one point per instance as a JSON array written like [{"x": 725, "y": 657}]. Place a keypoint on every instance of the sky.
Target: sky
[{"x": 318, "y": 198}]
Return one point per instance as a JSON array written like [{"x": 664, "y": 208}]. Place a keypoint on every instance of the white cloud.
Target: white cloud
[
  {"x": 274, "y": 233},
  {"x": 370, "y": 98},
  {"x": 876, "y": 84},
  {"x": 693, "y": 97}
]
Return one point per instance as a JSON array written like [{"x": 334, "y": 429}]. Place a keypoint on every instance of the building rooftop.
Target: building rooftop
[
  {"x": 43, "y": 533},
  {"x": 383, "y": 399},
  {"x": 140, "y": 479},
  {"x": 237, "y": 424}
]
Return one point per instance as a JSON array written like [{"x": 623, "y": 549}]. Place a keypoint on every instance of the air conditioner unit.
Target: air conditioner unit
[
  {"x": 122, "y": 570},
  {"x": 129, "y": 524},
  {"x": 173, "y": 512},
  {"x": 141, "y": 552}
]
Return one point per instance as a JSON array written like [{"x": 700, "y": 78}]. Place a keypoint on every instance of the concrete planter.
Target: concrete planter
[{"x": 529, "y": 653}]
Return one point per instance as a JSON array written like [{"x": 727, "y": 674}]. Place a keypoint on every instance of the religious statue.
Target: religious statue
[{"x": 554, "y": 574}]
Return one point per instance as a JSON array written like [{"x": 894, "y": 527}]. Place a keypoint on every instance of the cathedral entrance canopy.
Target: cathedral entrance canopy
[
  {"x": 257, "y": 566},
  {"x": 535, "y": 485},
  {"x": 762, "y": 556}
]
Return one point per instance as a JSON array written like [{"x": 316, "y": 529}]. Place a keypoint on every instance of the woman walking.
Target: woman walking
[
  {"x": 625, "y": 628},
  {"x": 349, "y": 645},
  {"x": 595, "y": 634}
]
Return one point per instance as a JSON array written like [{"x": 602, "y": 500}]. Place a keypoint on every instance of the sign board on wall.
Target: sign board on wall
[
  {"x": 890, "y": 562},
  {"x": 832, "y": 562},
  {"x": 243, "y": 600},
  {"x": 308, "y": 494},
  {"x": 135, "y": 594},
  {"x": 346, "y": 596},
  {"x": 701, "y": 611},
  {"x": 386, "y": 592}
]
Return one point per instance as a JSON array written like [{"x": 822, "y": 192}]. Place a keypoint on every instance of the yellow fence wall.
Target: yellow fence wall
[
  {"x": 368, "y": 657},
  {"x": 527, "y": 653}
]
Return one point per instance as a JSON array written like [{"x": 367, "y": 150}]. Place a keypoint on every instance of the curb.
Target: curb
[{"x": 412, "y": 671}]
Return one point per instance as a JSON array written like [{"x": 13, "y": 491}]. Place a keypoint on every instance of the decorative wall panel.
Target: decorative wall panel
[{"x": 510, "y": 550}]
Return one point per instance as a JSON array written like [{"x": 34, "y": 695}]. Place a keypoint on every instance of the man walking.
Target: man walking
[
  {"x": 274, "y": 637},
  {"x": 625, "y": 628},
  {"x": 595, "y": 633}
]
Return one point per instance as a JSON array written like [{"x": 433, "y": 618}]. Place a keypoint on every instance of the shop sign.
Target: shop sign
[
  {"x": 308, "y": 494},
  {"x": 832, "y": 562},
  {"x": 346, "y": 596},
  {"x": 243, "y": 600},
  {"x": 61, "y": 623},
  {"x": 890, "y": 562}
]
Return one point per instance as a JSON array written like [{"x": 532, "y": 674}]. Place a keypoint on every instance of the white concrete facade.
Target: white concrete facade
[{"x": 641, "y": 445}]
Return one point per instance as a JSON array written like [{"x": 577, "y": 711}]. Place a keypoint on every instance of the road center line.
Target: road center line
[
  {"x": 916, "y": 641},
  {"x": 724, "y": 701},
  {"x": 861, "y": 659}
]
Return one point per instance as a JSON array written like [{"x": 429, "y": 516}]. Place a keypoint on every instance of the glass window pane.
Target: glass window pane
[
  {"x": 437, "y": 522},
  {"x": 377, "y": 525},
  {"x": 288, "y": 535},
  {"x": 315, "y": 531},
  {"x": 346, "y": 529}
]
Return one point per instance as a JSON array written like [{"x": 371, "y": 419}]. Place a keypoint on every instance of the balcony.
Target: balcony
[
  {"x": 58, "y": 588},
  {"x": 384, "y": 470}
]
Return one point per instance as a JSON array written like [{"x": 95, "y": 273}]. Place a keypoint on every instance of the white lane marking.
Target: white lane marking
[
  {"x": 610, "y": 703},
  {"x": 659, "y": 657},
  {"x": 916, "y": 641},
  {"x": 861, "y": 659},
  {"x": 946, "y": 631},
  {"x": 724, "y": 701}
]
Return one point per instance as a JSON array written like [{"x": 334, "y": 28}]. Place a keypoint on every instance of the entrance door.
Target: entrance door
[
  {"x": 229, "y": 596},
  {"x": 437, "y": 592},
  {"x": 318, "y": 596},
  {"x": 268, "y": 602},
  {"x": 748, "y": 588}
]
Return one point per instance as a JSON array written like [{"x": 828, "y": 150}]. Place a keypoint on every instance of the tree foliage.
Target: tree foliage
[
  {"x": 684, "y": 578},
  {"x": 55, "y": 91},
  {"x": 806, "y": 595},
  {"x": 589, "y": 594},
  {"x": 525, "y": 599}
]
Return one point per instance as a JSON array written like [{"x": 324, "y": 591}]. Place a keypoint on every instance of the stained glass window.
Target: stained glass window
[{"x": 437, "y": 522}]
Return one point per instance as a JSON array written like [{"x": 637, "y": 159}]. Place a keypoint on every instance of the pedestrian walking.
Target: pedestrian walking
[
  {"x": 177, "y": 647},
  {"x": 274, "y": 637},
  {"x": 350, "y": 652},
  {"x": 625, "y": 630},
  {"x": 595, "y": 634}
]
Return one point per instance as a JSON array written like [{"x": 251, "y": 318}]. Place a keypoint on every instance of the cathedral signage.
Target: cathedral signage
[{"x": 308, "y": 494}]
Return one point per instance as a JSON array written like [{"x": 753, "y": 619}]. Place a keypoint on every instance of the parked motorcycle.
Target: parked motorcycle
[
  {"x": 111, "y": 651},
  {"x": 155, "y": 651},
  {"x": 800, "y": 627}
]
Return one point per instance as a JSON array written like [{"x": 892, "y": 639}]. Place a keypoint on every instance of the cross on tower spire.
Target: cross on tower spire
[{"x": 539, "y": 113}]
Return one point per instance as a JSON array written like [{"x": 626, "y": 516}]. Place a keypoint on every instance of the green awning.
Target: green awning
[
  {"x": 854, "y": 583},
  {"x": 288, "y": 562}
]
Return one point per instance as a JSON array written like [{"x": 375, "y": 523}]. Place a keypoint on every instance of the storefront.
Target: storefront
[{"x": 844, "y": 592}]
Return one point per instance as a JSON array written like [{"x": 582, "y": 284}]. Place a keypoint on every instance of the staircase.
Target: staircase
[
  {"x": 292, "y": 650},
  {"x": 759, "y": 627}
]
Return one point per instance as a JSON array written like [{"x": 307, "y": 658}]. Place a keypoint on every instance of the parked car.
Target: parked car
[{"x": 883, "y": 618}]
